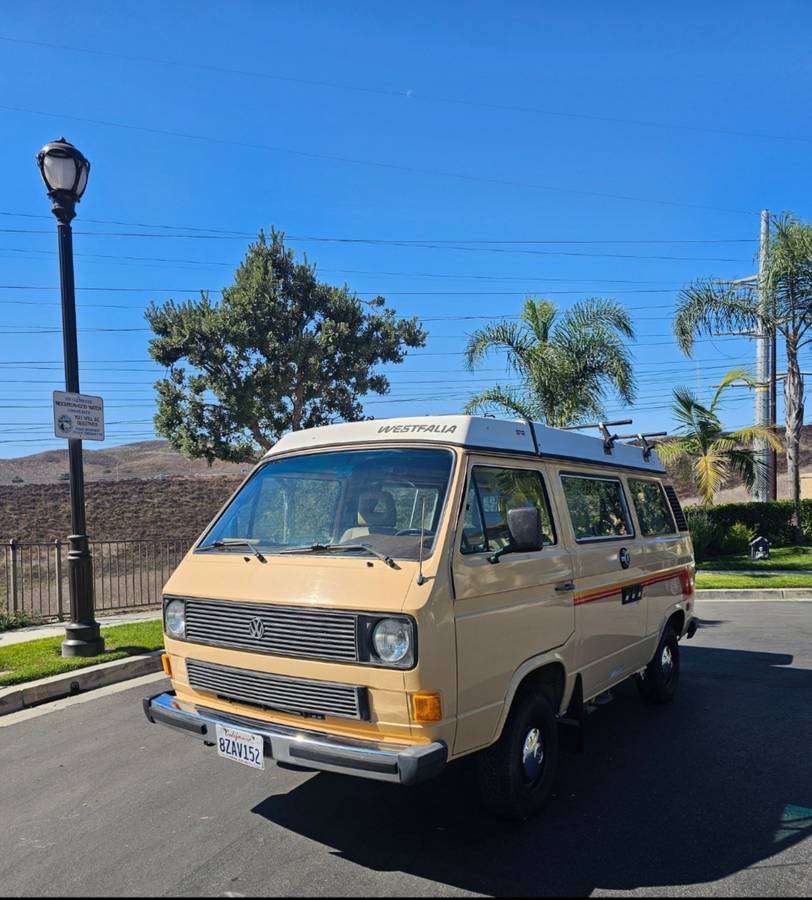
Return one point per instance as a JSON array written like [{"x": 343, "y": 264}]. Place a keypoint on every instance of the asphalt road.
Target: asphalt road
[{"x": 712, "y": 795}]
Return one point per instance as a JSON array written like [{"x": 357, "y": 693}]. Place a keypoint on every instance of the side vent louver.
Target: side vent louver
[{"x": 679, "y": 515}]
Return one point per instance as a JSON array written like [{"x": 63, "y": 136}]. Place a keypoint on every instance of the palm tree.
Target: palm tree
[
  {"x": 566, "y": 361},
  {"x": 716, "y": 454},
  {"x": 707, "y": 306}
]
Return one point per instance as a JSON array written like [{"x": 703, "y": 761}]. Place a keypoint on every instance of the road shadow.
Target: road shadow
[
  {"x": 709, "y": 623},
  {"x": 677, "y": 795}
]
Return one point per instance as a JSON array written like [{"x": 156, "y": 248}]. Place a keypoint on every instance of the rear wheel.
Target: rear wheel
[
  {"x": 659, "y": 682},
  {"x": 515, "y": 775}
]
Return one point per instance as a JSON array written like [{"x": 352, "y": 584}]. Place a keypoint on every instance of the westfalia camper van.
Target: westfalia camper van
[{"x": 381, "y": 598}]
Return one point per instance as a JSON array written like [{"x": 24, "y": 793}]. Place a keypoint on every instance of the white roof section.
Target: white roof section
[{"x": 474, "y": 432}]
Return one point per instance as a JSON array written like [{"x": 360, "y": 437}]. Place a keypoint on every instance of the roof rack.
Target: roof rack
[
  {"x": 642, "y": 438},
  {"x": 529, "y": 422},
  {"x": 608, "y": 438}
]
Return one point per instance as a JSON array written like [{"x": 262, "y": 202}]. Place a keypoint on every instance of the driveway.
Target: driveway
[{"x": 712, "y": 795}]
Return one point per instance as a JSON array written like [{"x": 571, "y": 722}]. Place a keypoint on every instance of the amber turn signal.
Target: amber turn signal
[
  {"x": 426, "y": 707},
  {"x": 166, "y": 664}
]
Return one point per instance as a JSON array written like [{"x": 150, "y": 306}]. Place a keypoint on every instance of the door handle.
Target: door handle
[{"x": 566, "y": 586}]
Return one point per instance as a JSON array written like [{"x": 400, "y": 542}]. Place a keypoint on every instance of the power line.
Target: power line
[
  {"x": 423, "y": 319},
  {"x": 381, "y": 242},
  {"x": 115, "y": 364},
  {"x": 407, "y": 95},
  {"x": 345, "y": 160},
  {"x": 452, "y": 275},
  {"x": 660, "y": 370},
  {"x": 21, "y": 215},
  {"x": 252, "y": 235},
  {"x": 44, "y": 329}
]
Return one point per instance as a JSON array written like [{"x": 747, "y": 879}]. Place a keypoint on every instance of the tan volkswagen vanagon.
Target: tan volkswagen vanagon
[{"x": 381, "y": 598}]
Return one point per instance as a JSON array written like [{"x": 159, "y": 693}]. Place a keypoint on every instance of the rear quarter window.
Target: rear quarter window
[
  {"x": 651, "y": 506},
  {"x": 597, "y": 507}
]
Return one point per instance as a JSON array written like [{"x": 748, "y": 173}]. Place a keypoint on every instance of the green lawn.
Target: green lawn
[
  {"x": 30, "y": 660},
  {"x": 780, "y": 558},
  {"x": 751, "y": 581}
]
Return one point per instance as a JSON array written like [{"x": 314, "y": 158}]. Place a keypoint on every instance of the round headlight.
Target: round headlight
[
  {"x": 392, "y": 640},
  {"x": 175, "y": 619}
]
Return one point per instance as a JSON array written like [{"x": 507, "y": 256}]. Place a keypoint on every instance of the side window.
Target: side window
[
  {"x": 473, "y": 530},
  {"x": 492, "y": 492},
  {"x": 410, "y": 501},
  {"x": 651, "y": 505},
  {"x": 597, "y": 507}
]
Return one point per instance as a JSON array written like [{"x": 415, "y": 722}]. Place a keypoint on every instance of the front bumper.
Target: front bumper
[{"x": 400, "y": 763}]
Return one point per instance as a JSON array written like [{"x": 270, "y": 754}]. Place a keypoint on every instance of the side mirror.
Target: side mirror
[{"x": 524, "y": 526}]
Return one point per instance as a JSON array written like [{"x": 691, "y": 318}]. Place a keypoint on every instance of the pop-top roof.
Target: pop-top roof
[{"x": 475, "y": 432}]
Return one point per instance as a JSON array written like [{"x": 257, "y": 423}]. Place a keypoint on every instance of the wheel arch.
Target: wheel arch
[
  {"x": 677, "y": 619},
  {"x": 548, "y": 670}
]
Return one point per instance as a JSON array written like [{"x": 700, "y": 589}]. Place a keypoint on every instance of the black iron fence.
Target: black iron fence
[{"x": 127, "y": 575}]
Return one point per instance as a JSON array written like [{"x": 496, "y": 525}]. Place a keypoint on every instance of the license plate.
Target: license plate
[{"x": 242, "y": 746}]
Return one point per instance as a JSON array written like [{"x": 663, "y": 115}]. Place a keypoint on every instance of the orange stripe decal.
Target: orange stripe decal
[{"x": 602, "y": 593}]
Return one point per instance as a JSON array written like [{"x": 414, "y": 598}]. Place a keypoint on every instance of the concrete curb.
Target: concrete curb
[
  {"x": 755, "y": 594},
  {"x": 32, "y": 693}
]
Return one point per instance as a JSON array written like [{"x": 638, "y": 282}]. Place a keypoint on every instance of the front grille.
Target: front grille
[
  {"x": 306, "y": 698},
  {"x": 679, "y": 515},
  {"x": 280, "y": 630}
]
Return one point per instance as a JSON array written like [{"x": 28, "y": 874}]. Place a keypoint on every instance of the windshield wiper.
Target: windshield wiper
[
  {"x": 337, "y": 548},
  {"x": 234, "y": 542}
]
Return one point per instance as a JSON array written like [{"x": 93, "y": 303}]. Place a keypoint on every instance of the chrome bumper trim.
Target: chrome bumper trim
[{"x": 400, "y": 763}]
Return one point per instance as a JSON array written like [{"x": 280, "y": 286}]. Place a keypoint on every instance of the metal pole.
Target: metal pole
[
  {"x": 59, "y": 595},
  {"x": 82, "y": 635},
  {"x": 762, "y": 411},
  {"x": 13, "y": 548},
  {"x": 773, "y": 485}
]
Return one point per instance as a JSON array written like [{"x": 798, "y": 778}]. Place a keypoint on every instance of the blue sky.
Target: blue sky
[{"x": 612, "y": 125}]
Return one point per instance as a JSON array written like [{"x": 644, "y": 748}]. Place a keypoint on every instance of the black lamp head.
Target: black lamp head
[{"x": 65, "y": 171}]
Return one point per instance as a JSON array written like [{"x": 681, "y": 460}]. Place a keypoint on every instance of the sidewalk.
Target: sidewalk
[
  {"x": 757, "y": 573},
  {"x": 56, "y": 629}
]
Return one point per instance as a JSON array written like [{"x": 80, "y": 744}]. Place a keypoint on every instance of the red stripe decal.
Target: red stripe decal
[{"x": 602, "y": 593}]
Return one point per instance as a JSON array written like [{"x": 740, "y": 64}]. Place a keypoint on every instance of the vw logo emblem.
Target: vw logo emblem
[
  {"x": 256, "y": 628},
  {"x": 625, "y": 558}
]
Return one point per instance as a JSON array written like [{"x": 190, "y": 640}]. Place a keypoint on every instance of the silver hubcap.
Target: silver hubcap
[
  {"x": 667, "y": 663},
  {"x": 532, "y": 754}
]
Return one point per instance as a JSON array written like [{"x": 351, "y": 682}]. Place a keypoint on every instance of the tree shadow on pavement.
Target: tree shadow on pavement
[{"x": 662, "y": 796}]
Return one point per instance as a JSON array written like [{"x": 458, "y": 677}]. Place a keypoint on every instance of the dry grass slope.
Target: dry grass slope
[
  {"x": 736, "y": 492},
  {"x": 147, "y": 459}
]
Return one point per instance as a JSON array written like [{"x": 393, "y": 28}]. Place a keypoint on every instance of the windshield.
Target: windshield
[{"x": 378, "y": 498}]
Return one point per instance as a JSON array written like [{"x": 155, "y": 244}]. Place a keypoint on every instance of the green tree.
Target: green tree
[
  {"x": 566, "y": 362},
  {"x": 708, "y": 306},
  {"x": 715, "y": 455},
  {"x": 281, "y": 351}
]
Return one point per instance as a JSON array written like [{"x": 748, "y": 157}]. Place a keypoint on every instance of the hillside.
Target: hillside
[
  {"x": 147, "y": 509},
  {"x": 736, "y": 492},
  {"x": 150, "y": 475},
  {"x": 143, "y": 460}
]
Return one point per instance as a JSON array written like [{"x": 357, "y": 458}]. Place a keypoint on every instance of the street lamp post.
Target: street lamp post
[{"x": 64, "y": 170}]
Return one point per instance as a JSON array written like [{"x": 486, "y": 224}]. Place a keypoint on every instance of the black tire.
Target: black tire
[
  {"x": 505, "y": 787},
  {"x": 660, "y": 681}
]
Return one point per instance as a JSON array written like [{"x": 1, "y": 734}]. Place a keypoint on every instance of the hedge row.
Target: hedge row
[{"x": 711, "y": 525}]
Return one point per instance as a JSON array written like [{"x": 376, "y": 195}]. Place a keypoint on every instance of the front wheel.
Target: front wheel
[
  {"x": 659, "y": 682},
  {"x": 515, "y": 775}
]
